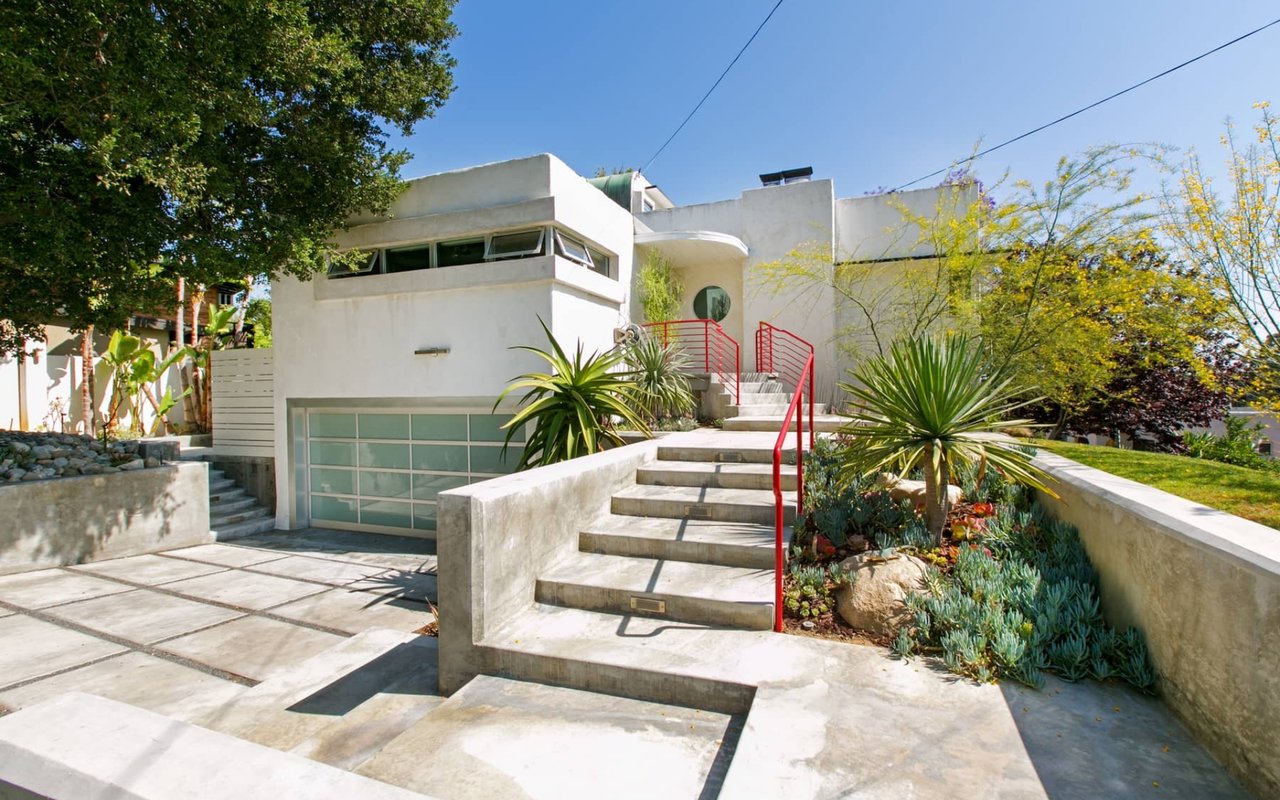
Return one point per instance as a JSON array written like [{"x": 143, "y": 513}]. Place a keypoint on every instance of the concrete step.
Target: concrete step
[
  {"x": 693, "y": 502},
  {"x": 729, "y": 544},
  {"x": 227, "y": 506},
  {"x": 503, "y": 738},
  {"x": 78, "y": 745},
  {"x": 769, "y": 409},
  {"x": 764, "y": 398},
  {"x": 356, "y": 713},
  {"x": 744, "y": 448},
  {"x": 720, "y": 476},
  {"x": 735, "y": 597},
  {"x": 823, "y": 423},
  {"x": 222, "y": 485},
  {"x": 240, "y": 530},
  {"x": 216, "y": 475},
  {"x": 248, "y": 711},
  {"x": 220, "y": 521}
]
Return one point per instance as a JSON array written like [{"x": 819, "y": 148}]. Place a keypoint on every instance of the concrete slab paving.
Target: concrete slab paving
[
  {"x": 32, "y": 648},
  {"x": 354, "y": 611},
  {"x": 334, "y": 573},
  {"x": 418, "y": 586},
  {"x": 244, "y": 589},
  {"x": 143, "y": 616},
  {"x": 392, "y": 552},
  {"x": 252, "y": 647},
  {"x": 138, "y": 679},
  {"x": 48, "y": 587},
  {"x": 150, "y": 570},
  {"x": 513, "y": 739},
  {"x": 226, "y": 555}
]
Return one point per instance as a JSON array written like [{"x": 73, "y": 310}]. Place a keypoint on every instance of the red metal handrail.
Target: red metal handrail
[
  {"x": 781, "y": 352},
  {"x": 793, "y": 412},
  {"x": 706, "y": 343}
]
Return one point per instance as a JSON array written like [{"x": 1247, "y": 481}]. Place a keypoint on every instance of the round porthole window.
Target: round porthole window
[{"x": 712, "y": 302}]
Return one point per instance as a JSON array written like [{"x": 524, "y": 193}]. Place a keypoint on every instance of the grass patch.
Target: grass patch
[{"x": 1244, "y": 492}]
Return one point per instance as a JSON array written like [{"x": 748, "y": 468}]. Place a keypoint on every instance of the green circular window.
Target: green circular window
[{"x": 712, "y": 302}]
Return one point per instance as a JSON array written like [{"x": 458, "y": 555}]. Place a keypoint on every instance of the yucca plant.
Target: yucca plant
[
  {"x": 928, "y": 403},
  {"x": 572, "y": 407},
  {"x": 659, "y": 374}
]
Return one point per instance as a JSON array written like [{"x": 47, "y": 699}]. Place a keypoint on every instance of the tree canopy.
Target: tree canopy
[{"x": 207, "y": 140}]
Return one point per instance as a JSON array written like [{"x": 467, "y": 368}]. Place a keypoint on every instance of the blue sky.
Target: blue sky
[{"x": 868, "y": 94}]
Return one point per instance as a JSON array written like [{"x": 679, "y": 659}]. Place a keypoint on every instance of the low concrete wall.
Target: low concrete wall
[
  {"x": 1204, "y": 587},
  {"x": 96, "y": 517},
  {"x": 495, "y": 537}
]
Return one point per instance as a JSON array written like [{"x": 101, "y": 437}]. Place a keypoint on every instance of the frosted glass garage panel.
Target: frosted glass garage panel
[
  {"x": 492, "y": 460},
  {"x": 333, "y": 481},
  {"x": 385, "y": 484},
  {"x": 440, "y": 457},
  {"x": 440, "y": 427},
  {"x": 339, "y": 426},
  {"x": 386, "y": 513},
  {"x": 427, "y": 487},
  {"x": 340, "y": 454},
  {"x": 488, "y": 428},
  {"x": 384, "y": 456},
  {"x": 424, "y": 517},
  {"x": 384, "y": 426},
  {"x": 333, "y": 509}
]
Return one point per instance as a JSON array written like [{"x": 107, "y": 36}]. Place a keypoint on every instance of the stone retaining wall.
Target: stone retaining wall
[
  {"x": 51, "y": 523},
  {"x": 1204, "y": 588}
]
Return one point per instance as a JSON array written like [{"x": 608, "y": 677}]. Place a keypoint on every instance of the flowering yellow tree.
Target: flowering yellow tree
[{"x": 1235, "y": 231}]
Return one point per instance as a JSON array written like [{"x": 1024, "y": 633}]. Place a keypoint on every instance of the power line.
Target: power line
[
  {"x": 713, "y": 87},
  {"x": 1066, "y": 117}
]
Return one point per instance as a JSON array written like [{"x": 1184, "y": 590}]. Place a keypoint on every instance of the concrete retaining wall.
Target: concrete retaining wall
[
  {"x": 1204, "y": 587},
  {"x": 495, "y": 537},
  {"x": 96, "y": 517}
]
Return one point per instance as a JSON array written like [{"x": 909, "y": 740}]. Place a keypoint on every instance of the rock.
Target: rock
[
  {"x": 20, "y": 447},
  {"x": 901, "y": 488},
  {"x": 15, "y": 474},
  {"x": 151, "y": 462},
  {"x": 876, "y": 600},
  {"x": 61, "y": 462},
  {"x": 808, "y": 624},
  {"x": 33, "y": 476},
  {"x": 137, "y": 463},
  {"x": 42, "y": 451},
  {"x": 70, "y": 472}
]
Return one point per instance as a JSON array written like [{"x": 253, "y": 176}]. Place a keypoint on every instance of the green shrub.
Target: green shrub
[
  {"x": 808, "y": 590},
  {"x": 661, "y": 291},
  {"x": 838, "y": 507},
  {"x": 658, "y": 370},
  {"x": 1237, "y": 446}
]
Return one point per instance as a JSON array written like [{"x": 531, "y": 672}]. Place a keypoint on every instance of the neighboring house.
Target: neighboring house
[
  {"x": 385, "y": 380},
  {"x": 41, "y": 388}
]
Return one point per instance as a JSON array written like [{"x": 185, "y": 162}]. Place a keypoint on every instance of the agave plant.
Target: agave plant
[
  {"x": 659, "y": 374},
  {"x": 928, "y": 403},
  {"x": 572, "y": 407}
]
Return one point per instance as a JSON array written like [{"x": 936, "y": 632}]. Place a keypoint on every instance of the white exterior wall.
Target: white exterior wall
[{"x": 354, "y": 338}]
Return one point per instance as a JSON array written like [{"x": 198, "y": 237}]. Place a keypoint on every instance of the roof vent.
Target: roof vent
[{"x": 786, "y": 176}]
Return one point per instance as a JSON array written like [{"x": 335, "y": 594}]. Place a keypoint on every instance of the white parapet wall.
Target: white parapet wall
[
  {"x": 243, "y": 403},
  {"x": 1203, "y": 586}
]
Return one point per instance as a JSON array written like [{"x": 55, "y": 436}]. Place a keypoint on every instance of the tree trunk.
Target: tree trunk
[
  {"x": 243, "y": 312},
  {"x": 1060, "y": 426},
  {"x": 86, "y": 380},
  {"x": 936, "y": 502}
]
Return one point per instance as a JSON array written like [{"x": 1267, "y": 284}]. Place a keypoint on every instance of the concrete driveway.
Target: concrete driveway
[{"x": 186, "y": 630}]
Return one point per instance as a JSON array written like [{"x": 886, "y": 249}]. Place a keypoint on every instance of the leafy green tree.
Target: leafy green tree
[
  {"x": 661, "y": 290},
  {"x": 572, "y": 407},
  {"x": 258, "y": 314},
  {"x": 140, "y": 143},
  {"x": 931, "y": 404}
]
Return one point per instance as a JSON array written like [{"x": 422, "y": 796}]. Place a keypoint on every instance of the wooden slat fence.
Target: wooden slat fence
[{"x": 243, "y": 403}]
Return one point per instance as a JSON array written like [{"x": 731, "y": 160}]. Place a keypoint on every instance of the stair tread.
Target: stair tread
[
  {"x": 223, "y": 505},
  {"x": 649, "y": 576},
  {"x": 663, "y": 465},
  {"x": 699, "y": 531},
  {"x": 237, "y": 530},
  {"x": 700, "y": 495}
]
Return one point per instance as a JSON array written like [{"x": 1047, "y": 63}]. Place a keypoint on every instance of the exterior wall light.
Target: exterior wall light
[{"x": 431, "y": 351}]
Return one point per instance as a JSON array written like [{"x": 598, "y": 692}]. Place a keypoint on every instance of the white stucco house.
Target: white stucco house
[{"x": 386, "y": 379}]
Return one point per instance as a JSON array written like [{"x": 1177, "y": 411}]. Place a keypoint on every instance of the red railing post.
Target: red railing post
[{"x": 706, "y": 346}]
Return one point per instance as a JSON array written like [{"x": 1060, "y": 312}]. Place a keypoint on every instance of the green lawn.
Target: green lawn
[{"x": 1247, "y": 493}]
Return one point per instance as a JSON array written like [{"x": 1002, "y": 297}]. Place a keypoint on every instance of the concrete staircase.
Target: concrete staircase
[
  {"x": 233, "y": 512},
  {"x": 691, "y": 541},
  {"x": 762, "y": 403}
]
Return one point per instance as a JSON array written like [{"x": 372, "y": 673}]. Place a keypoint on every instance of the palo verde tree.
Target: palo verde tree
[
  {"x": 143, "y": 143},
  {"x": 1235, "y": 232}
]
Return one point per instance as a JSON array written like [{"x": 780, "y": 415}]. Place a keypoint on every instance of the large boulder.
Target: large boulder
[{"x": 876, "y": 600}]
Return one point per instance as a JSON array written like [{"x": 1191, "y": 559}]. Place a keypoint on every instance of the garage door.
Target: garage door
[{"x": 382, "y": 472}]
